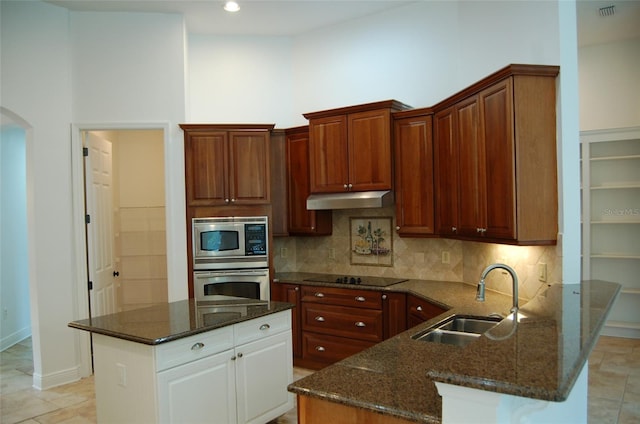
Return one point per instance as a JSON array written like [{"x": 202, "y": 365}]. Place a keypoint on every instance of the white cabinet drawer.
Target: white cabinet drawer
[
  {"x": 190, "y": 348},
  {"x": 259, "y": 328}
]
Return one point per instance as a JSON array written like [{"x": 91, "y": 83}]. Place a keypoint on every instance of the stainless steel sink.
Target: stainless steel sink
[
  {"x": 466, "y": 324},
  {"x": 448, "y": 337},
  {"x": 458, "y": 330}
]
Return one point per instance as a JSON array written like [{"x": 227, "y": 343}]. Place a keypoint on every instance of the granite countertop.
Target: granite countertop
[
  {"x": 174, "y": 320},
  {"x": 540, "y": 358}
]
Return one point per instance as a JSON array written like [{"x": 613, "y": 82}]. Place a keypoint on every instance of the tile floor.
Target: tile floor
[{"x": 614, "y": 388}]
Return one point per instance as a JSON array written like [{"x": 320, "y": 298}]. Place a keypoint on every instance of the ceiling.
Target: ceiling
[{"x": 291, "y": 17}]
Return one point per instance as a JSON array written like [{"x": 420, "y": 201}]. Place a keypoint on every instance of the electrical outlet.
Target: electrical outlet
[
  {"x": 332, "y": 253},
  {"x": 122, "y": 374},
  {"x": 283, "y": 252},
  {"x": 446, "y": 257},
  {"x": 542, "y": 272},
  {"x": 5, "y": 313}
]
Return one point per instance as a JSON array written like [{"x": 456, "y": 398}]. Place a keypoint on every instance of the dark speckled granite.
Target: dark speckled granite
[
  {"x": 172, "y": 321},
  {"x": 541, "y": 358}
]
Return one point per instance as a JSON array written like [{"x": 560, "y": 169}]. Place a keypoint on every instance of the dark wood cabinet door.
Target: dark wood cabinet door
[
  {"x": 497, "y": 133},
  {"x": 328, "y": 167},
  {"x": 446, "y": 172},
  {"x": 394, "y": 311},
  {"x": 370, "y": 152},
  {"x": 278, "y": 172},
  {"x": 420, "y": 310},
  {"x": 414, "y": 176},
  {"x": 301, "y": 220},
  {"x": 472, "y": 194},
  {"x": 249, "y": 167},
  {"x": 291, "y": 294},
  {"x": 206, "y": 171}
]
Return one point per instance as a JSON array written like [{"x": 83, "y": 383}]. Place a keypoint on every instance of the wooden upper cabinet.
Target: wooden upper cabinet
[
  {"x": 302, "y": 221},
  {"x": 227, "y": 164},
  {"x": 370, "y": 164},
  {"x": 278, "y": 175},
  {"x": 414, "y": 189},
  {"x": 446, "y": 172},
  {"x": 350, "y": 149},
  {"x": 504, "y": 131}
]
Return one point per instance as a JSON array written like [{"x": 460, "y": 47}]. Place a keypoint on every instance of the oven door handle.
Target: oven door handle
[{"x": 249, "y": 273}]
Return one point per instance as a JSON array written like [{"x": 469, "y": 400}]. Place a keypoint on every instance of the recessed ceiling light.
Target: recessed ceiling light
[{"x": 231, "y": 6}]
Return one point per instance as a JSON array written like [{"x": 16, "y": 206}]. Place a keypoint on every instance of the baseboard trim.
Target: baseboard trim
[
  {"x": 58, "y": 378},
  {"x": 616, "y": 330},
  {"x": 15, "y": 338}
]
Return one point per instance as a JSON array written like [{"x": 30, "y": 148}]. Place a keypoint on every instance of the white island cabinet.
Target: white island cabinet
[{"x": 234, "y": 374}]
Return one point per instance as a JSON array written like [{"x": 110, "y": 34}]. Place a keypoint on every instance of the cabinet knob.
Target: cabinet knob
[
  {"x": 419, "y": 308},
  {"x": 384, "y": 297},
  {"x": 319, "y": 294},
  {"x": 360, "y": 298},
  {"x": 226, "y": 200},
  {"x": 233, "y": 200},
  {"x": 454, "y": 229},
  {"x": 350, "y": 186},
  {"x": 313, "y": 228},
  {"x": 319, "y": 318},
  {"x": 264, "y": 327},
  {"x": 360, "y": 324},
  {"x": 397, "y": 228},
  {"x": 197, "y": 346},
  {"x": 320, "y": 348},
  {"x": 297, "y": 288},
  {"x": 345, "y": 186}
]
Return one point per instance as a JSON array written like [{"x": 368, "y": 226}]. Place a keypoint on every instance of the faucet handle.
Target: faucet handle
[{"x": 480, "y": 291}]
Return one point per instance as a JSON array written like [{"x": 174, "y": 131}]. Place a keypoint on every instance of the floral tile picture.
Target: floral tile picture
[{"x": 371, "y": 241}]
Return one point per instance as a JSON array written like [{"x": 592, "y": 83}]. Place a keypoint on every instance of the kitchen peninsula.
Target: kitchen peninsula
[
  {"x": 535, "y": 369},
  {"x": 193, "y": 362}
]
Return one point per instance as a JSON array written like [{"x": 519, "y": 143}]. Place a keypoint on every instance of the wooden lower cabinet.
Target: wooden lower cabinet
[
  {"x": 320, "y": 350},
  {"x": 317, "y": 411},
  {"x": 420, "y": 310}
]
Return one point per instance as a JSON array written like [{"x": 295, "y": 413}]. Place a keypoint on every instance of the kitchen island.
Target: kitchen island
[
  {"x": 191, "y": 361},
  {"x": 536, "y": 367}
]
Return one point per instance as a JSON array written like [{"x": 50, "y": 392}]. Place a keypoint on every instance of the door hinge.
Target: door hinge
[
  {"x": 87, "y": 219},
  {"x": 85, "y": 151},
  {"x": 90, "y": 285}
]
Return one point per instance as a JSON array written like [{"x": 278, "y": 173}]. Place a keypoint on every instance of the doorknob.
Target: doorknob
[{"x": 116, "y": 273}]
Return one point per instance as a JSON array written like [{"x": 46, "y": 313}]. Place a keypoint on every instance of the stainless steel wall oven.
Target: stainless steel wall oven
[{"x": 230, "y": 258}]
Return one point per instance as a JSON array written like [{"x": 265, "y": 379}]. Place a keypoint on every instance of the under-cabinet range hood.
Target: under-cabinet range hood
[{"x": 350, "y": 200}]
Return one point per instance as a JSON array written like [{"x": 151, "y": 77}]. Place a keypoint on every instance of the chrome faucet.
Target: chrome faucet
[{"x": 480, "y": 297}]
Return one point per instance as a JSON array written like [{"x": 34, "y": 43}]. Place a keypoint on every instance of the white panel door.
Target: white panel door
[
  {"x": 199, "y": 392},
  {"x": 99, "y": 192},
  {"x": 264, "y": 369}
]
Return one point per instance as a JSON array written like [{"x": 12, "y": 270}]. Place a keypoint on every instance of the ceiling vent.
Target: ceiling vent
[{"x": 607, "y": 11}]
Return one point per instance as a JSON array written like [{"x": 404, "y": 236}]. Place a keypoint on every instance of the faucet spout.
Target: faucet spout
[{"x": 480, "y": 292}]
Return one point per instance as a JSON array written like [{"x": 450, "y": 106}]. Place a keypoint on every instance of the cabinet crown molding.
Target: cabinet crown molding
[{"x": 394, "y": 105}]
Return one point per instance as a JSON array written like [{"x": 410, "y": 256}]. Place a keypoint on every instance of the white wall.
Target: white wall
[
  {"x": 36, "y": 86},
  {"x": 14, "y": 275},
  {"x": 610, "y": 85},
  {"x": 240, "y": 80},
  {"x": 129, "y": 68}
]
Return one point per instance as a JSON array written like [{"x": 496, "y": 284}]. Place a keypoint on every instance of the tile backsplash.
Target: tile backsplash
[{"x": 418, "y": 258}]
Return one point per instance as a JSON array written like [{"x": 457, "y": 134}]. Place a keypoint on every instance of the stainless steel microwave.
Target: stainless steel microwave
[{"x": 230, "y": 242}]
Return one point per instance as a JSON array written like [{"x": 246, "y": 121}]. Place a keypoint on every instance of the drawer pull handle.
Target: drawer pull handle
[
  {"x": 360, "y": 324},
  {"x": 265, "y": 327},
  {"x": 360, "y": 298},
  {"x": 319, "y": 318},
  {"x": 197, "y": 346},
  {"x": 319, "y": 294},
  {"x": 320, "y": 348},
  {"x": 419, "y": 308}
]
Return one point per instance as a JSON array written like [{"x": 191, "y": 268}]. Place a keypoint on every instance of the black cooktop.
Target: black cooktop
[{"x": 362, "y": 280}]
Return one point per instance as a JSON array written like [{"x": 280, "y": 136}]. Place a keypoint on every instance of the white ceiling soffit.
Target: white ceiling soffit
[
  {"x": 256, "y": 17},
  {"x": 593, "y": 28},
  {"x": 292, "y": 17}
]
